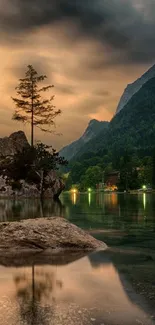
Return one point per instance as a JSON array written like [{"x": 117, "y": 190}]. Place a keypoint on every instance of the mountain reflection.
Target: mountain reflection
[{"x": 85, "y": 291}]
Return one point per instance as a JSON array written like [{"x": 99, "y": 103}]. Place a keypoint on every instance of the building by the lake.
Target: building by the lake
[{"x": 110, "y": 183}]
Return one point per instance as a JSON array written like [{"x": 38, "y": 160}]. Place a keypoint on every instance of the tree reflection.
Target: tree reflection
[
  {"x": 11, "y": 210},
  {"x": 34, "y": 292}
]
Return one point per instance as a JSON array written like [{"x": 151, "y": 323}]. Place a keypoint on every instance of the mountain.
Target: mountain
[
  {"x": 133, "y": 128},
  {"x": 93, "y": 129},
  {"x": 131, "y": 89}
]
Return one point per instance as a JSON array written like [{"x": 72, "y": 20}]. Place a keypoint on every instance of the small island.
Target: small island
[{"x": 30, "y": 169}]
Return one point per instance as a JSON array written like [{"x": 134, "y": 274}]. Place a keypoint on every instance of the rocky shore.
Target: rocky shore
[
  {"x": 52, "y": 237},
  {"x": 26, "y": 190}
]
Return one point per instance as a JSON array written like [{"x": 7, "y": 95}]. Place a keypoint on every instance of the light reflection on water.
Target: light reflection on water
[
  {"x": 74, "y": 198},
  {"x": 133, "y": 215},
  {"x": 87, "y": 291},
  {"x": 89, "y": 198},
  {"x": 73, "y": 204},
  {"x": 144, "y": 200}
]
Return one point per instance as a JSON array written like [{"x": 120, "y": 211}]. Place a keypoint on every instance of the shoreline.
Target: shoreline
[
  {"x": 57, "y": 198},
  {"x": 110, "y": 192}
]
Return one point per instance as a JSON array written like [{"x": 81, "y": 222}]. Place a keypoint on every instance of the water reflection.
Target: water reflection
[
  {"x": 144, "y": 200},
  {"x": 11, "y": 210},
  {"x": 124, "y": 207},
  {"x": 132, "y": 215},
  {"x": 74, "y": 198},
  {"x": 89, "y": 198},
  {"x": 84, "y": 292}
]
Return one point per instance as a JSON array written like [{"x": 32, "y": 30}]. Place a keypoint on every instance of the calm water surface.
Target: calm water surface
[
  {"x": 84, "y": 292},
  {"x": 89, "y": 290},
  {"x": 115, "y": 218}
]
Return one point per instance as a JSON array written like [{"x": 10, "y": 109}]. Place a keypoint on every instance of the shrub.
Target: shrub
[{"x": 16, "y": 185}]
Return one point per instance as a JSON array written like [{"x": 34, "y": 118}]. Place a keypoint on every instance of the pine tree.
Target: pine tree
[{"x": 31, "y": 107}]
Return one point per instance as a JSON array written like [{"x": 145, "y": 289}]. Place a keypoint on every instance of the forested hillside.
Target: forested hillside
[
  {"x": 127, "y": 145},
  {"x": 133, "y": 128}
]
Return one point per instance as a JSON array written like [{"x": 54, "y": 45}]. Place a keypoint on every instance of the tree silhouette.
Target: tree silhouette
[{"x": 31, "y": 107}]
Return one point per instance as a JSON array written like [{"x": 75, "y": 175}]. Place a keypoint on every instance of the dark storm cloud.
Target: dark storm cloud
[
  {"x": 125, "y": 26},
  {"x": 40, "y": 65}
]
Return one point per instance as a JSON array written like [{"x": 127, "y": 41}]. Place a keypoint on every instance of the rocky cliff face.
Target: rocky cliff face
[
  {"x": 133, "y": 88},
  {"x": 55, "y": 186},
  {"x": 15, "y": 142},
  {"x": 93, "y": 129},
  {"x": 9, "y": 146}
]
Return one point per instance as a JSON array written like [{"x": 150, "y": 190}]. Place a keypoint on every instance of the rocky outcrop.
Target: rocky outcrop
[
  {"x": 55, "y": 185},
  {"x": 93, "y": 129},
  {"x": 45, "y": 234},
  {"x": 134, "y": 87},
  {"x": 9, "y": 188},
  {"x": 9, "y": 146}
]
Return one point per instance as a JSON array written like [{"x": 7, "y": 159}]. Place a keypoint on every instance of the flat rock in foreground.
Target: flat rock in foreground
[{"x": 44, "y": 235}]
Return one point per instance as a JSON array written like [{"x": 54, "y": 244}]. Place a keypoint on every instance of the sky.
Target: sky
[{"x": 89, "y": 49}]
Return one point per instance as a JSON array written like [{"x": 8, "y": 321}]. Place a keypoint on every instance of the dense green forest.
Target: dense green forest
[
  {"x": 133, "y": 128},
  {"x": 134, "y": 171},
  {"x": 127, "y": 145}
]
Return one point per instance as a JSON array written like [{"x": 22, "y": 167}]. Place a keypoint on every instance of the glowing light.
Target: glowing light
[
  {"x": 144, "y": 187},
  {"x": 89, "y": 189},
  {"x": 74, "y": 190}
]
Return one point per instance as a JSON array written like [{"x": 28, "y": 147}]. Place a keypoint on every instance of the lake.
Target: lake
[
  {"x": 93, "y": 289},
  {"x": 118, "y": 219},
  {"x": 84, "y": 292}
]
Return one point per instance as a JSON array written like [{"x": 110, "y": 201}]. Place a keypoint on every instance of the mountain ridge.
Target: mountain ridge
[
  {"x": 134, "y": 87},
  {"x": 94, "y": 127},
  {"x": 130, "y": 126},
  {"x": 132, "y": 129}
]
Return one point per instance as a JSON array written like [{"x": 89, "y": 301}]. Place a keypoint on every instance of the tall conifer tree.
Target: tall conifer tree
[{"x": 31, "y": 107}]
